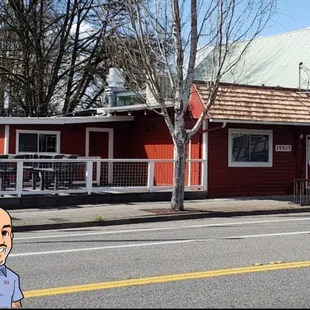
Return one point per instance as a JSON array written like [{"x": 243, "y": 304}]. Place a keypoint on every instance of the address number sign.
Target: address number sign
[{"x": 283, "y": 148}]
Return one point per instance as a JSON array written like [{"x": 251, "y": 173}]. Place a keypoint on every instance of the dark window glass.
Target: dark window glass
[
  {"x": 47, "y": 143},
  {"x": 240, "y": 147},
  {"x": 28, "y": 142},
  {"x": 250, "y": 148},
  {"x": 259, "y": 148}
]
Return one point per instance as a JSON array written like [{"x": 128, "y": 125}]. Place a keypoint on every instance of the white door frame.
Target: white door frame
[
  {"x": 110, "y": 132},
  {"x": 6, "y": 139}
]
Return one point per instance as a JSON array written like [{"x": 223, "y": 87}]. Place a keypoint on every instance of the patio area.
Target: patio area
[{"x": 63, "y": 174}]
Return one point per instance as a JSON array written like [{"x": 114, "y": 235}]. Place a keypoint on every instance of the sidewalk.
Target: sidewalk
[{"x": 116, "y": 214}]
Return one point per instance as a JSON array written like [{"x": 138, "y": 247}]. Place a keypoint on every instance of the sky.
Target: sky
[{"x": 291, "y": 15}]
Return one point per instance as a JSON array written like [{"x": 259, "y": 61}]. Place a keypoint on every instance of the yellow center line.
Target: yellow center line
[{"x": 161, "y": 279}]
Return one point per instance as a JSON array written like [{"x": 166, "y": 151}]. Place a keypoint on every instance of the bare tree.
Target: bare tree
[
  {"x": 54, "y": 57},
  {"x": 167, "y": 35}
]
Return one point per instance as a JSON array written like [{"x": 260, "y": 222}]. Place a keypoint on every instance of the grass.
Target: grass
[{"x": 98, "y": 218}]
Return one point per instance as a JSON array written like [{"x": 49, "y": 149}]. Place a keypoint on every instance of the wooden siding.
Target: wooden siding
[
  {"x": 145, "y": 138},
  {"x": 227, "y": 181},
  {"x": 73, "y": 137},
  {"x": 2, "y": 139},
  {"x": 150, "y": 139}
]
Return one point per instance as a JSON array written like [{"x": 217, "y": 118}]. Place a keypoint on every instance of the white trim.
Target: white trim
[
  {"x": 63, "y": 120},
  {"x": 212, "y": 120},
  {"x": 19, "y": 178},
  {"x": 47, "y": 132},
  {"x": 134, "y": 107},
  {"x": 6, "y": 139},
  {"x": 189, "y": 173},
  {"x": 204, "y": 166},
  {"x": 110, "y": 132},
  {"x": 250, "y": 164}
]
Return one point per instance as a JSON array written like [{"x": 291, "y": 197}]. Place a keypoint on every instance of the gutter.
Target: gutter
[
  {"x": 214, "y": 128},
  {"x": 62, "y": 120},
  {"x": 259, "y": 122}
]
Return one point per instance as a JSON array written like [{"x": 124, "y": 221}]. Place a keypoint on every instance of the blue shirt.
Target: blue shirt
[{"x": 9, "y": 287}]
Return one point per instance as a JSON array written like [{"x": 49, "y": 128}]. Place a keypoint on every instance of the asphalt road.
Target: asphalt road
[{"x": 240, "y": 262}]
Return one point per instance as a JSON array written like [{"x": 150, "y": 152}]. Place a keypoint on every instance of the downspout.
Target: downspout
[
  {"x": 189, "y": 162},
  {"x": 205, "y": 150},
  {"x": 7, "y": 139}
]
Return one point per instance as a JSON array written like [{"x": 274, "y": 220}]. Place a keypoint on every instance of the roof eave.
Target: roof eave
[
  {"x": 134, "y": 107},
  {"x": 259, "y": 122},
  {"x": 62, "y": 120}
]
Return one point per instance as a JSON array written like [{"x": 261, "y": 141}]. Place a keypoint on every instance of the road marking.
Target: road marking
[
  {"x": 161, "y": 279},
  {"x": 266, "y": 235},
  {"x": 155, "y": 243},
  {"x": 100, "y": 248},
  {"x": 157, "y": 229}
]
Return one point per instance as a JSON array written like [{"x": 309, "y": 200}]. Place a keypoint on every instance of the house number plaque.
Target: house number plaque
[{"x": 283, "y": 148}]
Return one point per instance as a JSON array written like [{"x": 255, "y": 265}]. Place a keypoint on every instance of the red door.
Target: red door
[{"x": 99, "y": 144}]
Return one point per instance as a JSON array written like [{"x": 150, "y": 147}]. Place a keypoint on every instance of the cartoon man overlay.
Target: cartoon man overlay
[{"x": 10, "y": 293}]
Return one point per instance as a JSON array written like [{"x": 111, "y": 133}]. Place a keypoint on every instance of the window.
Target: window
[
  {"x": 249, "y": 148},
  {"x": 37, "y": 141}
]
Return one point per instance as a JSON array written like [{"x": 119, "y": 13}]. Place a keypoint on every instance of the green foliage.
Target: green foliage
[{"x": 98, "y": 218}]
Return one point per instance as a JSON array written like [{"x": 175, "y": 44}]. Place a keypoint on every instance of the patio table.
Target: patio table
[{"x": 53, "y": 172}]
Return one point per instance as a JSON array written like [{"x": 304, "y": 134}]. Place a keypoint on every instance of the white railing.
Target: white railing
[{"x": 20, "y": 177}]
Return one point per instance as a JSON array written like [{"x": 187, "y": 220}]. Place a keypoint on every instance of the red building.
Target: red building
[
  {"x": 255, "y": 140},
  {"x": 261, "y": 142}
]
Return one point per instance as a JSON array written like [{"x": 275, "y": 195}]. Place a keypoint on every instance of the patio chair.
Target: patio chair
[
  {"x": 44, "y": 172},
  {"x": 27, "y": 172},
  {"x": 45, "y": 164},
  {"x": 65, "y": 172},
  {"x": 59, "y": 168}
]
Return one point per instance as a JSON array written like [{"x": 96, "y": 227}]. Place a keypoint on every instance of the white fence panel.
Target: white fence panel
[{"x": 88, "y": 175}]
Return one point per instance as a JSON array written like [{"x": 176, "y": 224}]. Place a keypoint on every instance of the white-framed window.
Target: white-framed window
[
  {"x": 249, "y": 148},
  {"x": 35, "y": 141}
]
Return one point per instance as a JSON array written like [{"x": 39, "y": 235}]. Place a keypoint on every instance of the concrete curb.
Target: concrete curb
[
  {"x": 48, "y": 201},
  {"x": 154, "y": 218}
]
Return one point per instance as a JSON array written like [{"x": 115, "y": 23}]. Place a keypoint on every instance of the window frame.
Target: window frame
[
  {"x": 38, "y": 132},
  {"x": 250, "y": 132}
]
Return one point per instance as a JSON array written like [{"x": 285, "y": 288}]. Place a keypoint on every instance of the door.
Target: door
[
  {"x": 308, "y": 157},
  {"x": 99, "y": 147},
  {"x": 99, "y": 144}
]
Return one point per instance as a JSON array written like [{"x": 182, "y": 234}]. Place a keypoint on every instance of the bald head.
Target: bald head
[
  {"x": 6, "y": 235},
  {"x": 5, "y": 218}
]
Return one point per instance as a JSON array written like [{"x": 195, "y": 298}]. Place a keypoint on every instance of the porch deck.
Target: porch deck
[{"x": 89, "y": 175}]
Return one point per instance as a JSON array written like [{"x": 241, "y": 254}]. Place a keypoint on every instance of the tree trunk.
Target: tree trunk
[{"x": 177, "y": 200}]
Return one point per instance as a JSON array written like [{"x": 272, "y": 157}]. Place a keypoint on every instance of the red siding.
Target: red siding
[
  {"x": 227, "y": 181},
  {"x": 147, "y": 137},
  {"x": 195, "y": 104},
  {"x": 73, "y": 137},
  {"x": 2, "y": 140},
  {"x": 150, "y": 139}
]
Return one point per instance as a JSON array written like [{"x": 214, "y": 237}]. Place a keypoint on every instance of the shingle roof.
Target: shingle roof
[
  {"x": 270, "y": 61},
  {"x": 255, "y": 104}
]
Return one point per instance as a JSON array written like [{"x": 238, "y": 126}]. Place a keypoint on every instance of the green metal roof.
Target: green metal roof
[{"x": 270, "y": 61}]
